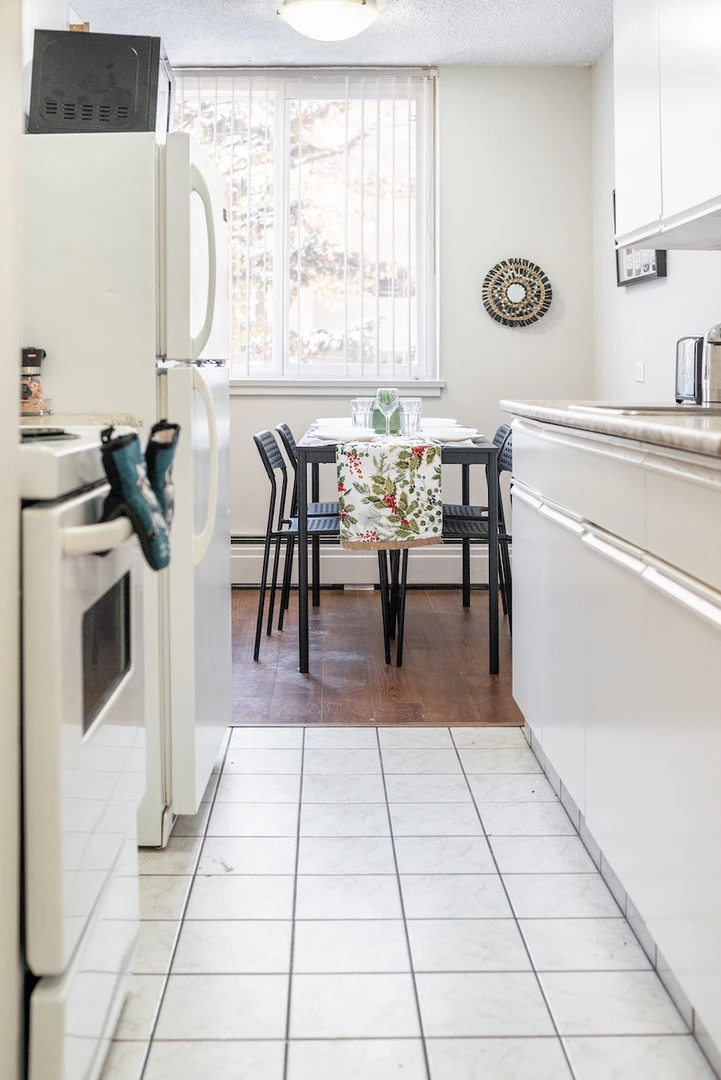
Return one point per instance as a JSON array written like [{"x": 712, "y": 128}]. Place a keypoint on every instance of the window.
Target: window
[{"x": 331, "y": 177}]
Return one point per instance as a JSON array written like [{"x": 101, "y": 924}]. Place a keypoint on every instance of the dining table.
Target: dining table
[{"x": 314, "y": 451}]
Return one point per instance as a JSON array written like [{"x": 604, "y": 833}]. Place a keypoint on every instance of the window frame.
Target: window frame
[{"x": 285, "y": 371}]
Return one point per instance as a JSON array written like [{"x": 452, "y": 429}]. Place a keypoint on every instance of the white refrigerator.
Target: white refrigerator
[{"x": 125, "y": 284}]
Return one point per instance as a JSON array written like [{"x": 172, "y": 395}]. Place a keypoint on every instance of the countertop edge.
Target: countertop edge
[{"x": 668, "y": 433}]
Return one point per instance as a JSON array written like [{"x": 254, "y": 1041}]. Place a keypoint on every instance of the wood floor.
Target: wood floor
[{"x": 444, "y": 678}]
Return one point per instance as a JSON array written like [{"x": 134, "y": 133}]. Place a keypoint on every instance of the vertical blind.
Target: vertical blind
[{"x": 331, "y": 177}]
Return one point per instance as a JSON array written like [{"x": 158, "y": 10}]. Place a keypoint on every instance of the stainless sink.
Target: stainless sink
[{"x": 649, "y": 410}]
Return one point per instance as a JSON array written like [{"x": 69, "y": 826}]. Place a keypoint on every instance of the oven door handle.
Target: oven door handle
[{"x": 95, "y": 539}]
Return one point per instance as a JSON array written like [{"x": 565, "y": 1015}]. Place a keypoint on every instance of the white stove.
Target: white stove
[
  {"x": 58, "y": 459},
  {"x": 83, "y": 749}
]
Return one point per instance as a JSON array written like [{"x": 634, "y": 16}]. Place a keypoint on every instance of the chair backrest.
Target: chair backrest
[
  {"x": 505, "y": 458},
  {"x": 501, "y": 435},
  {"x": 288, "y": 440},
  {"x": 273, "y": 461},
  {"x": 500, "y": 439}
]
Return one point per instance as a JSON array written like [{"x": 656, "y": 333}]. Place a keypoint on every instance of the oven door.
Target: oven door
[{"x": 83, "y": 721}]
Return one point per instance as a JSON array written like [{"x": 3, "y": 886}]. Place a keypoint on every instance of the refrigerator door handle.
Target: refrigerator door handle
[
  {"x": 198, "y": 184},
  {"x": 203, "y": 539}
]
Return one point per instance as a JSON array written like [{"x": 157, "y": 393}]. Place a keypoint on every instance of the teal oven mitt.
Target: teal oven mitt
[
  {"x": 159, "y": 454},
  {"x": 132, "y": 496}
]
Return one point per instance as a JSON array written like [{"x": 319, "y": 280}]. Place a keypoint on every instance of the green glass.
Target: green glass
[
  {"x": 387, "y": 400},
  {"x": 379, "y": 422}
]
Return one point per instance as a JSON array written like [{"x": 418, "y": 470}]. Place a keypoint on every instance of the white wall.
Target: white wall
[
  {"x": 515, "y": 180},
  {"x": 10, "y": 131},
  {"x": 640, "y": 323}
]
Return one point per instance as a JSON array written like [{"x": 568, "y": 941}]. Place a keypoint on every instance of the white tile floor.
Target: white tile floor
[{"x": 353, "y": 904}]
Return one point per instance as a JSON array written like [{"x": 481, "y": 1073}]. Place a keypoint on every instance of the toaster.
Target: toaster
[{"x": 689, "y": 360}]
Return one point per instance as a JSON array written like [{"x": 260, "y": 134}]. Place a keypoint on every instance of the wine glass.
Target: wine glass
[{"x": 387, "y": 399}]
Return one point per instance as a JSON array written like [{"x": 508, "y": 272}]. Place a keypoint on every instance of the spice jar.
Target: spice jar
[{"x": 32, "y": 398}]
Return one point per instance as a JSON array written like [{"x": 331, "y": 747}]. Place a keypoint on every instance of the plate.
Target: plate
[
  {"x": 453, "y": 434},
  {"x": 334, "y": 421},
  {"x": 428, "y": 422},
  {"x": 345, "y": 434}
]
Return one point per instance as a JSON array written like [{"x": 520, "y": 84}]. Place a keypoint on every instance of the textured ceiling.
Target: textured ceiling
[{"x": 492, "y": 32}]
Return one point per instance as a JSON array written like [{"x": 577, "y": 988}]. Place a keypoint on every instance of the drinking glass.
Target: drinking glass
[
  {"x": 362, "y": 411},
  {"x": 410, "y": 409},
  {"x": 387, "y": 399}
]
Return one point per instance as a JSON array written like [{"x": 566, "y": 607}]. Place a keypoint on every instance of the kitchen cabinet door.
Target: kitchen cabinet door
[
  {"x": 564, "y": 648},
  {"x": 690, "y": 94},
  {"x": 637, "y": 119},
  {"x": 620, "y": 721},
  {"x": 549, "y": 632},
  {"x": 653, "y": 752},
  {"x": 678, "y": 881},
  {"x": 528, "y": 670}
]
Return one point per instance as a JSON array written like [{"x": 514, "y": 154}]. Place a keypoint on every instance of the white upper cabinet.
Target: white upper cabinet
[
  {"x": 668, "y": 122},
  {"x": 690, "y": 53},
  {"x": 638, "y": 118}
]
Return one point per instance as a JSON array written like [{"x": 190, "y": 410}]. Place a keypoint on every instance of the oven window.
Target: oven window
[{"x": 106, "y": 647}]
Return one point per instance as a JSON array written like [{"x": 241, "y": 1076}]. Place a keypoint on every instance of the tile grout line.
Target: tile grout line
[
  {"x": 293, "y": 911},
  {"x": 513, "y": 910},
  {"x": 403, "y": 913},
  {"x": 181, "y": 918}
]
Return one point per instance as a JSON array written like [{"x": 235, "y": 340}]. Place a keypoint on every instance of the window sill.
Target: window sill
[{"x": 338, "y": 388}]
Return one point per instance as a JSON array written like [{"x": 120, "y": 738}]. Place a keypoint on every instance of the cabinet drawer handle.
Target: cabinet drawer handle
[
  {"x": 524, "y": 496},
  {"x": 561, "y": 519},
  {"x": 614, "y": 552},
  {"x": 692, "y": 601}
]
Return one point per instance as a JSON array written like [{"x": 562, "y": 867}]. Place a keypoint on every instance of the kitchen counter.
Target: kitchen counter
[
  {"x": 616, "y": 654},
  {"x": 695, "y": 434}
]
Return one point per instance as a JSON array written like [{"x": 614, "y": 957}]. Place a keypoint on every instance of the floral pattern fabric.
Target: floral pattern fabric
[{"x": 389, "y": 493}]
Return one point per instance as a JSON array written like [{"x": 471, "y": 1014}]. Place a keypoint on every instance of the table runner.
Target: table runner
[{"x": 389, "y": 494}]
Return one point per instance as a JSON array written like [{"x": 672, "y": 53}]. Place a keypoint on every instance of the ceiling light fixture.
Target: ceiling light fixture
[{"x": 329, "y": 20}]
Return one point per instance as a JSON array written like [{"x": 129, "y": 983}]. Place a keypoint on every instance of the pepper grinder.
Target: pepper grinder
[{"x": 32, "y": 398}]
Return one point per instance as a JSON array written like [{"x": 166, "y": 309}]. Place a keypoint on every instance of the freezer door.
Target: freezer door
[
  {"x": 199, "y": 578},
  {"x": 196, "y": 316}
]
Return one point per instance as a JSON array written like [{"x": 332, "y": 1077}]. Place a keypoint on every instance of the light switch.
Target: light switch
[{"x": 640, "y": 372}]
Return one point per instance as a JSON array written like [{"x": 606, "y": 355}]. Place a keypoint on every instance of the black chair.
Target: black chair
[
  {"x": 315, "y": 509},
  {"x": 469, "y": 524},
  {"x": 458, "y": 510},
  {"x": 281, "y": 529},
  {"x": 393, "y": 577}
]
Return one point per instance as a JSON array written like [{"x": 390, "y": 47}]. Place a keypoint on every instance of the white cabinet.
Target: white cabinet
[
  {"x": 667, "y": 74},
  {"x": 637, "y": 117},
  {"x": 529, "y": 671},
  {"x": 653, "y": 752},
  {"x": 616, "y": 656},
  {"x": 690, "y": 104},
  {"x": 548, "y": 667}
]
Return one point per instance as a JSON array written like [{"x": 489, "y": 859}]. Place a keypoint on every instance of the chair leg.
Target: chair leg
[
  {"x": 502, "y": 579},
  {"x": 383, "y": 578},
  {"x": 287, "y": 574},
  {"x": 273, "y": 585},
  {"x": 466, "y": 573},
  {"x": 290, "y": 575},
  {"x": 402, "y": 609},
  {"x": 506, "y": 556},
  {"x": 393, "y": 606},
  {"x": 315, "y": 547},
  {"x": 261, "y": 599}
]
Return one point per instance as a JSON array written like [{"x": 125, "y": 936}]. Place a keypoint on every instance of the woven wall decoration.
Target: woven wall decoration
[{"x": 516, "y": 292}]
